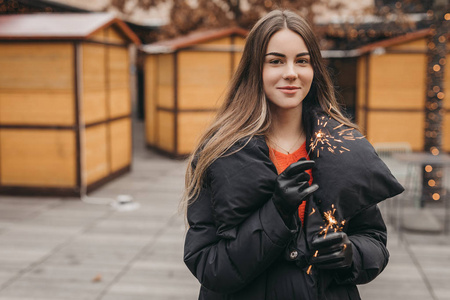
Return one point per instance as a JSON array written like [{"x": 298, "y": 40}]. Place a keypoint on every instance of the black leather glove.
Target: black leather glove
[
  {"x": 292, "y": 188},
  {"x": 333, "y": 252}
]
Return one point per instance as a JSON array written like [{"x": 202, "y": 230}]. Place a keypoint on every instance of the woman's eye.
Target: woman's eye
[
  {"x": 275, "y": 61},
  {"x": 302, "y": 61}
]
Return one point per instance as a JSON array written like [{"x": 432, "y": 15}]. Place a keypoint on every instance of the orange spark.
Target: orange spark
[{"x": 310, "y": 266}]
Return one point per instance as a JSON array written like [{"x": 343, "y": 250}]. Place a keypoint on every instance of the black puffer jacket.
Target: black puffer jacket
[{"x": 238, "y": 246}]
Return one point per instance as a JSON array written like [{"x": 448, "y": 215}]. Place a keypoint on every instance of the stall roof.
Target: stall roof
[
  {"x": 408, "y": 37},
  {"x": 66, "y": 26},
  {"x": 192, "y": 39}
]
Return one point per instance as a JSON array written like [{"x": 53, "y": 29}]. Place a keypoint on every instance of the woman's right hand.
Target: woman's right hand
[{"x": 292, "y": 188}]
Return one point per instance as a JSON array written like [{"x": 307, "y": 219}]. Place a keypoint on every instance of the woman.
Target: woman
[{"x": 255, "y": 201}]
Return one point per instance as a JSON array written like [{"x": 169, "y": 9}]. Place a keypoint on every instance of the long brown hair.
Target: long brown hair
[{"x": 245, "y": 110}]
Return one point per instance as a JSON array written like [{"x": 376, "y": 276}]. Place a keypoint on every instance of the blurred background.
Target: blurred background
[{"x": 102, "y": 100}]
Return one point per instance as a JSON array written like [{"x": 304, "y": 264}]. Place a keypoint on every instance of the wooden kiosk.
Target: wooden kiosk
[
  {"x": 184, "y": 81},
  {"x": 391, "y": 90},
  {"x": 384, "y": 85},
  {"x": 65, "y": 102}
]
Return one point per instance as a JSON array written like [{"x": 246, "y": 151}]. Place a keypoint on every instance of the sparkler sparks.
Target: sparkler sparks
[
  {"x": 331, "y": 223},
  {"x": 323, "y": 140}
]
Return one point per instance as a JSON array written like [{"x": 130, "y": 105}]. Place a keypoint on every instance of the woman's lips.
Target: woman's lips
[{"x": 289, "y": 89}]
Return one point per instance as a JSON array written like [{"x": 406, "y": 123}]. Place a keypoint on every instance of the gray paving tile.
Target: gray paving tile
[
  {"x": 129, "y": 296},
  {"x": 17, "y": 214},
  {"x": 51, "y": 289},
  {"x": 157, "y": 288},
  {"x": 98, "y": 275},
  {"x": 442, "y": 294},
  {"x": 129, "y": 224},
  {"x": 93, "y": 255},
  {"x": 29, "y": 202}
]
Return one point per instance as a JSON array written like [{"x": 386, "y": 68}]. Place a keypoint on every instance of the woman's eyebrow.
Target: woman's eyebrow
[
  {"x": 302, "y": 54},
  {"x": 275, "y": 54},
  {"x": 282, "y": 55}
]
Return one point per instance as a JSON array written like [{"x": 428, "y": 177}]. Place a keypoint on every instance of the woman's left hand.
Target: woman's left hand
[{"x": 334, "y": 251}]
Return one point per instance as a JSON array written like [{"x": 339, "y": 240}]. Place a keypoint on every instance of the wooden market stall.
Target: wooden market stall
[
  {"x": 391, "y": 91},
  {"x": 65, "y": 104},
  {"x": 184, "y": 81}
]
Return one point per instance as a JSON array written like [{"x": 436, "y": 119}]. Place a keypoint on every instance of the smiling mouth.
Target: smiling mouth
[{"x": 289, "y": 88}]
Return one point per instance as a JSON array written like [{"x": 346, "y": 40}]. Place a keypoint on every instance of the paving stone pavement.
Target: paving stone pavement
[{"x": 63, "y": 249}]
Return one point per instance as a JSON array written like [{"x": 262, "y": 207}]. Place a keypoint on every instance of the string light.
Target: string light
[
  {"x": 432, "y": 183},
  {"x": 434, "y": 151}
]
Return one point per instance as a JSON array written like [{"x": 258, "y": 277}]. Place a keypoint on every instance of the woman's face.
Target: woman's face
[{"x": 287, "y": 71}]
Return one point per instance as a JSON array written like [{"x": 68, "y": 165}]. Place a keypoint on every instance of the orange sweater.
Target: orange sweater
[{"x": 282, "y": 161}]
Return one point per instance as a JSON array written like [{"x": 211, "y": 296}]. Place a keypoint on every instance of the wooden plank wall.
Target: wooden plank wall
[
  {"x": 37, "y": 112},
  {"x": 96, "y": 149},
  {"x": 106, "y": 106},
  {"x": 183, "y": 91},
  {"x": 36, "y": 84},
  {"x": 160, "y": 101},
  {"x": 36, "y": 157},
  {"x": 120, "y": 143},
  {"x": 201, "y": 88},
  {"x": 94, "y": 93},
  {"x": 150, "y": 69},
  {"x": 118, "y": 82},
  {"x": 391, "y": 95}
]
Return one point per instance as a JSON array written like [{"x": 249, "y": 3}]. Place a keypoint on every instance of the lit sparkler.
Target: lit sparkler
[{"x": 331, "y": 224}]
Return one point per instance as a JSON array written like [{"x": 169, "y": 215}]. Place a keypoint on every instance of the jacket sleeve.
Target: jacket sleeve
[
  {"x": 367, "y": 232},
  {"x": 225, "y": 263}
]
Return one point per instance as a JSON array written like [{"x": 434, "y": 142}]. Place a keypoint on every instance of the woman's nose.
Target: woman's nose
[{"x": 290, "y": 73}]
